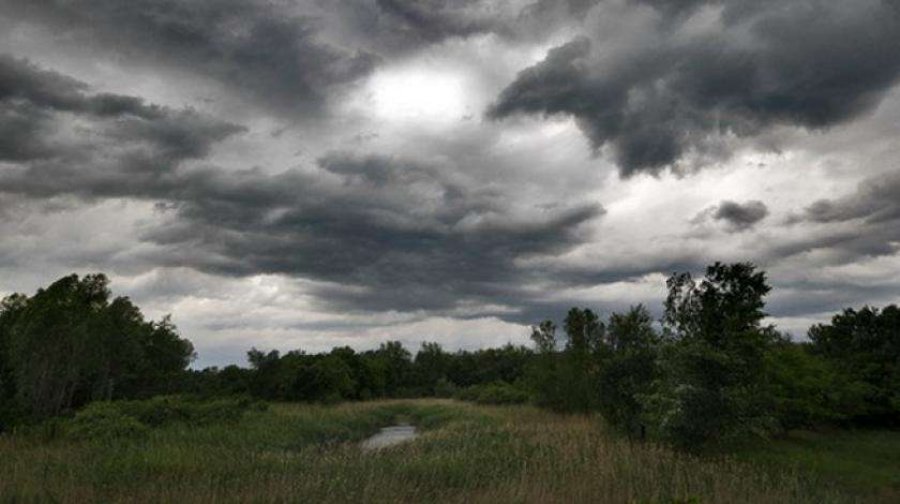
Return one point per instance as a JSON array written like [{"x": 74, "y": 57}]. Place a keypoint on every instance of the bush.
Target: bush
[
  {"x": 134, "y": 418},
  {"x": 494, "y": 393},
  {"x": 105, "y": 421},
  {"x": 11, "y": 413},
  {"x": 809, "y": 391},
  {"x": 169, "y": 409},
  {"x": 445, "y": 388}
]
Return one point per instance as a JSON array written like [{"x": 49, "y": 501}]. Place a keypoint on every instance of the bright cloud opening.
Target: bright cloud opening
[{"x": 418, "y": 94}]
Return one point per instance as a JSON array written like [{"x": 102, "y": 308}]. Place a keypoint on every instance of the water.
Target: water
[{"x": 390, "y": 436}]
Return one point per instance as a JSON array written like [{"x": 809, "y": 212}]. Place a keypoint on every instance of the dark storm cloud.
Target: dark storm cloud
[
  {"x": 545, "y": 13},
  {"x": 806, "y": 63},
  {"x": 32, "y": 98},
  {"x": 391, "y": 233},
  {"x": 392, "y": 26},
  {"x": 864, "y": 223},
  {"x": 803, "y": 298},
  {"x": 261, "y": 49},
  {"x": 59, "y": 138},
  {"x": 875, "y": 200},
  {"x": 677, "y": 7},
  {"x": 739, "y": 216}
]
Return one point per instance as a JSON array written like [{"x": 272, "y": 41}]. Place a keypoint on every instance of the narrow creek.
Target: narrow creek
[{"x": 390, "y": 436}]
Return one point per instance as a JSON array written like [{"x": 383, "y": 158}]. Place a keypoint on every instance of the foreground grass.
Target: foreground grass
[
  {"x": 467, "y": 453},
  {"x": 864, "y": 463}
]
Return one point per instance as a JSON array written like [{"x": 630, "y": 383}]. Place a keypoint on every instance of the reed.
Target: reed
[{"x": 466, "y": 453}]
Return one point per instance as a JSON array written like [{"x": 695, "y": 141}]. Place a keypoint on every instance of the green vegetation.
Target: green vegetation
[
  {"x": 709, "y": 405},
  {"x": 466, "y": 453},
  {"x": 865, "y": 463},
  {"x": 69, "y": 345},
  {"x": 494, "y": 393},
  {"x": 714, "y": 376}
]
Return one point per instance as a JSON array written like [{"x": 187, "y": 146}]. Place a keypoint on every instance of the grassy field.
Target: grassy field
[
  {"x": 467, "y": 453},
  {"x": 864, "y": 463}
]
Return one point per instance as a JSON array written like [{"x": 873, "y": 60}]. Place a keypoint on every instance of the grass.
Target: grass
[
  {"x": 864, "y": 462},
  {"x": 467, "y": 453}
]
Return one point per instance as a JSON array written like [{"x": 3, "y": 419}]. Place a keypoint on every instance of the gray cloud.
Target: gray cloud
[
  {"x": 261, "y": 49},
  {"x": 677, "y": 7},
  {"x": 740, "y": 216},
  {"x": 806, "y": 63},
  {"x": 62, "y": 139},
  {"x": 392, "y": 233},
  {"x": 864, "y": 223},
  {"x": 442, "y": 218},
  {"x": 398, "y": 26},
  {"x": 876, "y": 200}
]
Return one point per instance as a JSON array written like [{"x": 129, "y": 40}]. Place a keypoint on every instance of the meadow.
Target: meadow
[{"x": 466, "y": 453}]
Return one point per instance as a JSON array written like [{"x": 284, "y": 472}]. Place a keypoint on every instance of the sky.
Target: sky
[{"x": 308, "y": 174}]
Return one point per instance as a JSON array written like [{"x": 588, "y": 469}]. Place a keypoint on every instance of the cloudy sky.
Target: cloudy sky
[{"x": 310, "y": 173}]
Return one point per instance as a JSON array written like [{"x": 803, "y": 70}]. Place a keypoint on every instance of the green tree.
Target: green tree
[
  {"x": 630, "y": 369},
  {"x": 712, "y": 384},
  {"x": 582, "y": 360},
  {"x": 11, "y": 409},
  {"x": 431, "y": 365},
  {"x": 865, "y": 345},
  {"x": 543, "y": 373},
  {"x": 268, "y": 381},
  {"x": 808, "y": 390},
  {"x": 397, "y": 365},
  {"x": 68, "y": 344}
]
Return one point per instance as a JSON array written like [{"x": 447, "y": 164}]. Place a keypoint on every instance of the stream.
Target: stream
[{"x": 390, "y": 436}]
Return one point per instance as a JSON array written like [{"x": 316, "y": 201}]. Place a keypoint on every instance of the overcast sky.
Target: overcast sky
[{"x": 311, "y": 173}]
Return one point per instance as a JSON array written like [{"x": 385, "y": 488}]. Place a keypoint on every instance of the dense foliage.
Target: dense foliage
[
  {"x": 863, "y": 347},
  {"x": 69, "y": 344},
  {"x": 709, "y": 372},
  {"x": 712, "y": 373},
  {"x": 344, "y": 374}
]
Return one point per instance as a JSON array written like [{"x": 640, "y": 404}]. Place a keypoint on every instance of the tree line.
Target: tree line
[
  {"x": 711, "y": 372},
  {"x": 708, "y": 372},
  {"x": 70, "y": 344}
]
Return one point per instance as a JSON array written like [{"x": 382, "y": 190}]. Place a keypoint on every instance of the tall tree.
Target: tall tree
[
  {"x": 543, "y": 373},
  {"x": 431, "y": 365},
  {"x": 712, "y": 383},
  {"x": 68, "y": 344},
  {"x": 582, "y": 360},
  {"x": 630, "y": 368}
]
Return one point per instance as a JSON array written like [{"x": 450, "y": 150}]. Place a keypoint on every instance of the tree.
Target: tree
[
  {"x": 543, "y": 374},
  {"x": 397, "y": 363},
  {"x": 865, "y": 346},
  {"x": 11, "y": 409},
  {"x": 582, "y": 361},
  {"x": 431, "y": 366},
  {"x": 630, "y": 369},
  {"x": 712, "y": 384},
  {"x": 267, "y": 381},
  {"x": 68, "y": 345},
  {"x": 808, "y": 390},
  {"x": 54, "y": 342}
]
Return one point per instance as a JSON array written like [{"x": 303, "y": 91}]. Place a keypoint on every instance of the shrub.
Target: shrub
[
  {"x": 105, "y": 420},
  {"x": 134, "y": 418},
  {"x": 169, "y": 409},
  {"x": 494, "y": 393},
  {"x": 445, "y": 388}
]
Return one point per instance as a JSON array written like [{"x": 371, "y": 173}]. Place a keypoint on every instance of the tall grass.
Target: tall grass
[{"x": 467, "y": 453}]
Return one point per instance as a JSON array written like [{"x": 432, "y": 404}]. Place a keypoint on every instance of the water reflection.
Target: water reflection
[{"x": 390, "y": 436}]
